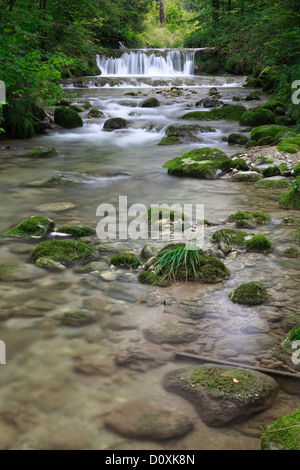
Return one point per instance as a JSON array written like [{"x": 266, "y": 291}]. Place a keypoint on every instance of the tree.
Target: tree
[{"x": 162, "y": 11}]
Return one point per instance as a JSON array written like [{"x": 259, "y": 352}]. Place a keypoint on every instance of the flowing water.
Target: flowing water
[{"x": 45, "y": 401}]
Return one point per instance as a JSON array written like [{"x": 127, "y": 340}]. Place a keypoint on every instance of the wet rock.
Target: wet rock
[
  {"x": 247, "y": 344},
  {"x": 56, "y": 207},
  {"x": 223, "y": 395},
  {"x": 34, "y": 227},
  {"x": 143, "y": 420},
  {"x": 64, "y": 251},
  {"x": 250, "y": 293},
  {"x": 42, "y": 152},
  {"x": 67, "y": 118},
  {"x": 142, "y": 356},
  {"x": 246, "y": 176},
  {"x": 148, "y": 251},
  {"x": 95, "y": 113},
  {"x": 171, "y": 332},
  {"x": 94, "y": 365},
  {"x": 19, "y": 272},
  {"x": 150, "y": 103},
  {"x": 114, "y": 124},
  {"x": 50, "y": 264},
  {"x": 185, "y": 307},
  {"x": 90, "y": 267},
  {"x": 71, "y": 437},
  {"x": 78, "y": 318}
]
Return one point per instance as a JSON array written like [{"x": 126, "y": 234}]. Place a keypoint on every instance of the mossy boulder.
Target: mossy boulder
[
  {"x": 77, "y": 108},
  {"x": 257, "y": 117},
  {"x": 246, "y": 177},
  {"x": 253, "y": 96},
  {"x": 290, "y": 145},
  {"x": 64, "y": 251},
  {"x": 253, "y": 83},
  {"x": 274, "y": 182},
  {"x": 283, "y": 434},
  {"x": 273, "y": 132},
  {"x": 34, "y": 227},
  {"x": 222, "y": 395},
  {"x": 114, "y": 124},
  {"x": 125, "y": 260},
  {"x": 77, "y": 230},
  {"x": 42, "y": 152},
  {"x": 148, "y": 251},
  {"x": 95, "y": 113},
  {"x": 50, "y": 264},
  {"x": 184, "y": 133},
  {"x": 291, "y": 199},
  {"x": 292, "y": 252},
  {"x": 67, "y": 118},
  {"x": 228, "y": 112},
  {"x": 257, "y": 218},
  {"x": 250, "y": 293},
  {"x": 259, "y": 243},
  {"x": 273, "y": 105},
  {"x": 150, "y": 103},
  {"x": 235, "y": 238},
  {"x": 268, "y": 77},
  {"x": 205, "y": 163},
  {"x": 238, "y": 139},
  {"x": 297, "y": 169}
]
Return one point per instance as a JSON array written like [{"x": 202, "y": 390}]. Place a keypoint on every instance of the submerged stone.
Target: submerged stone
[
  {"x": 223, "y": 395},
  {"x": 50, "y": 264},
  {"x": 77, "y": 230},
  {"x": 10, "y": 272},
  {"x": 42, "y": 152},
  {"x": 56, "y": 207}
]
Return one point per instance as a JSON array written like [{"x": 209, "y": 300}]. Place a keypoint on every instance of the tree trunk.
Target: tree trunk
[{"x": 162, "y": 11}]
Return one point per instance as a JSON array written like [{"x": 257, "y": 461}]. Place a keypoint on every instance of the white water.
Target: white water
[{"x": 148, "y": 63}]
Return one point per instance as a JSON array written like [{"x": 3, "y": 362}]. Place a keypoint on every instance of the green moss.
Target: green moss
[
  {"x": 292, "y": 252},
  {"x": 258, "y": 243},
  {"x": 270, "y": 171},
  {"x": 297, "y": 169},
  {"x": 272, "y": 183},
  {"x": 149, "y": 277},
  {"x": 273, "y": 104},
  {"x": 67, "y": 118},
  {"x": 290, "y": 145},
  {"x": 65, "y": 251},
  {"x": 291, "y": 221},
  {"x": 251, "y": 293},
  {"x": 257, "y": 117},
  {"x": 41, "y": 152},
  {"x": 291, "y": 199},
  {"x": 253, "y": 96},
  {"x": 268, "y": 77},
  {"x": 260, "y": 218},
  {"x": 238, "y": 139},
  {"x": 170, "y": 140},
  {"x": 76, "y": 108},
  {"x": 251, "y": 143},
  {"x": 115, "y": 123},
  {"x": 77, "y": 230},
  {"x": 95, "y": 113},
  {"x": 125, "y": 260},
  {"x": 150, "y": 103},
  {"x": 34, "y": 227},
  {"x": 86, "y": 105},
  {"x": 253, "y": 83},
  {"x": 229, "y": 112},
  {"x": 274, "y": 131},
  {"x": 240, "y": 215},
  {"x": 283, "y": 434},
  {"x": 200, "y": 163},
  {"x": 154, "y": 214},
  {"x": 239, "y": 164},
  {"x": 230, "y": 237}
]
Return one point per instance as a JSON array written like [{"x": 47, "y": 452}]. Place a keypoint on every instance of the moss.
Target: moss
[
  {"x": 42, "y": 152},
  {"x": 170, "y": 140},
  {"x": 293, "y": 335},
  {"x": 268, "y": 77},
  {"x": 251, "y": 293},
  {"x": 297, "y": 169},
  {"x": 270, "y": 171},
  {"x": 258, "y": 243},
  {"x": 150, "y": 103},
  {"x": 131, "y": 93},
  {"x": 34, "y": 227},
  {"x": 115, "y": 123},
  {"x": 240, "y": 215},
  {"x": 290, "y": 145},
  {"x": 283, "y": 121},
  {"x": 261, "y": 218},
  {"x": 291, "y": 221},
  {"x": 292, "y": 252},
  {"x": 274, "y": 131},
  {"x": 86, "y": 105},
  {"x": 149, "y": 277},
  {"x": 229, "y": 112},
  {"x": 125, "y": 260},
  {"x": 291, "y": 199},
  {"x": 76, "y": 108},
  {"x": 253, "y": 83},
  {"x": 67, "y": 118},
  {"x": 230, "y": 237},
  {"x": 253, "y": 96},
  {"x": 238, "y": 139},
  {"x": 155, "y": 214},
  {"x": 65, "y": 251},
  {"x": 239, "y": 164},
  {"x": 205, "y": 163},
  {"x": 272, "y": 183},
  {"x": 273, "y": 104},
  {"x": 50, "y": 264},
  {"x": 95, "y": 113},
  {"x": 257, "y": 117},
  {"x": 77, "y": 230},
  {"x": 246, "y": 176},
  {"x": 283, "y": 434},
  {"x": 250, "y": 144}
]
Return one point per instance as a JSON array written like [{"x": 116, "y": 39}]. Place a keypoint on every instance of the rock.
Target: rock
[
  {"x": 247, "y": 344},
  {"x": 50, "y": 264},
  {"x": 290, "y": 145},
  {"x": 273, "y": 105},
  {"x": 67, "y": 118},
  {"x": 34, "y": 227},
  {"x": 205, "y": 163},
  {"x": 114, "y": 124},
  {"x": 78, "y": 318},
  {"x": 148, "y": 251},
  {"x": 274, "y": 182},
  {"x": 68, "y": 437},
  {"x": 143, "y": 420},
  {"x": 291, "y": 199},
  {"x": 108, "y": 276},
  {"x": 150, "y": 103},
  {"x": 229, "y": 112},
  {"x": 90, "y": 267},
  {"x": 273, "y": 132},
  {"x": 55, "y": 207},
  {"x": 95, "y": 113},
  {"x": 258, "y": 243},
  {"x": 125, "y": 260},
  {"x": 250, "y": 293},
  {"x": 246, "y": 176},
  {"x": 142, "y": 356},
  {"x": 10, "y": 272},
  {"x": 283, "y": 434},
  {"x": 192, "y": 308},
  {"x": 238, "y": 139},
  {"x": 42, "y": 152},
  {"x": 58, "y": 179},
  {"x": 64, "y": 251},
  {"x": 257, "y": 117},
  {"x": 223, "y": 395},
  {"x": 292, "y": 252},
  {"x": 171, "y": 332},
  {"x": 77, "y": 231},
  {"x": 94, "y": 365}
]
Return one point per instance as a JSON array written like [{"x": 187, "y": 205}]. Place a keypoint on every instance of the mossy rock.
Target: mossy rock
[
  {"x": 34, "y": 227},
  {"x": 258, "y": 218},
  {"x": 283, "y": 121},
  {"x": 131, "y": 93},
  {"x": 86, "y": 105},
  {"x": 292, "y": 252},
  {"x": 246, "y": 177},
  {"x": 291, "y": 221},
  {"x": 95, "y": 113},
  {"x": 238, "y": 139},
  {"x": 259, "y": 243},
  {"x": 178, "y": 139},
  {"x": 64, "y": 251},
  {"x": 297, "y": 169},
  {"x": 239, "y": 164},
  {"x": 273, "y": 105},
  {"x": 155, "y": 214},
  {"x": 290, "y": 145},
  {"x": 67, "y": 118},
  {"x": 257, "y": 117},
  {"x": 291, "y": 199},
  {"x": 50, "y": 264},
  {"x": 114, "y": 124},
  {"x": 283, "y": 434},
  {"x": 42, "y": 152},
  {"x": 268, "y": 77},
  {"x": 274, "y": 182},
  {"x": 253, "y": 83},
  {"x": 78, "y": 318},
  {"x": 253, "y": 96},
  {"x": 230, "y": 237},
  {"x": 271, "y": 131},
  {"x": 222, "y": 395},
  {"x": 149, "y": 277},
  {"x": 77, "y": 230},
  {"x": 205, "y": 163},
  {"x": 228, "y": 112},
  {"x": 57, "y": 180},
  {"x": 251, "y": 293},
  {"x": 125, "y": 260},
  {"x": 76, "y": 108},
  {"x": 150, "y": 103}
]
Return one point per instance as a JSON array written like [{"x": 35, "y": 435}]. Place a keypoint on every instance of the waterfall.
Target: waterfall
[{"x": 143, "y": 62}]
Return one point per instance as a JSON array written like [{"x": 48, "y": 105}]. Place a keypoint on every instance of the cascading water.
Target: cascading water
[{"x": 148, "y": 63}]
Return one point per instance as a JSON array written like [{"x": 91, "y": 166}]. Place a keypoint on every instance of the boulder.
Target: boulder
[
  {"x": 114, "y": 124},
  {"x": 228, "y": 112},
  {"x": 150, "y": 103},
  {"x": 67, "y": 118},
  {"x": 250, "y": 293},
  {"x": 34, "y": 227},
  {"x": 257, "y": 117}
]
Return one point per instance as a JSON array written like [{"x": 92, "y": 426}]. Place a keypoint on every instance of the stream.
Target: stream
[{"x": 45, "y": 401}]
